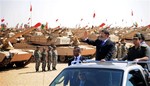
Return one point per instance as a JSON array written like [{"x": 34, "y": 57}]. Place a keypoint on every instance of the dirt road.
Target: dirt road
[{"x": 28, "y": 77}]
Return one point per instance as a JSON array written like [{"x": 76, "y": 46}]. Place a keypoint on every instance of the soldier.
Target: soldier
[
  {"x": 54, "y": 57},
  {"x": 43, "y": 59},
  {"x": 121, "y": 49},
  {"x": 49, "y": 58},
  {"x": 37, "y": 55}
]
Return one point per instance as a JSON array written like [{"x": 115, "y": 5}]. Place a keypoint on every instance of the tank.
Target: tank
[
  {"x": 11, "y": 57},
  {"x": 64, "y": 40},
  {"x": 65, "y": 52},
  {"x": 15, "y": 58}
]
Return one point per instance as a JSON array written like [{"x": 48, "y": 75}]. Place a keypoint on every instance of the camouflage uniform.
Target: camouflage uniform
[
  {"x": 54, "y": 58},
  {"x": 37, "y": 55},
  {"x": 43, "y": 59},
  {"x": 49, "y": 58},
  {"x": 121, "y": 51}
]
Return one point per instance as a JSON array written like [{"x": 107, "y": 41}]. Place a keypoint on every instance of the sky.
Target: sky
[{"x": 70, "y": 12}]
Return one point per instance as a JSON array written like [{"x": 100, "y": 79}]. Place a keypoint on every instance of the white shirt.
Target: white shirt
[{"x": 76, "y": 60}]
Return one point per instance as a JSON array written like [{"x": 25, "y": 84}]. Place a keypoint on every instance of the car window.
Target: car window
[
  {"x": 90, "y": 76},
  {"x": 135, "y": 78}
]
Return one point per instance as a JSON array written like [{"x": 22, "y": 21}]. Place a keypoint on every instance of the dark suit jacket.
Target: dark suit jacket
[
  {"x": 72, "y": 59},
  {"x": 105, "y": 51},
  {"x": 87, "y": 83}
]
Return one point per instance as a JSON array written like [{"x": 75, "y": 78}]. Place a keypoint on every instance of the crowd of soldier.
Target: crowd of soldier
[{"x": 50, "y": 56}]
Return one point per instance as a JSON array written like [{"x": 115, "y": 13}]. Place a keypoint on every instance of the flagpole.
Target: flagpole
[
  {"x": 31, "y": 19},
  {"x": 30, "y": 14},
  {"x": 93, "y": 24}
]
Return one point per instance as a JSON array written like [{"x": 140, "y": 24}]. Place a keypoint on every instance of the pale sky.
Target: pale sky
[{"x": 70, "y": 12}]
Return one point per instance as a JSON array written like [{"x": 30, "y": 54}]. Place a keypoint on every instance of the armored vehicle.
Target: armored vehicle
[{"x": 10, "y": 57}]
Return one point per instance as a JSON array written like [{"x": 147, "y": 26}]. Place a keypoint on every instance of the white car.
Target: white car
[{"x": 117, "y": 73}]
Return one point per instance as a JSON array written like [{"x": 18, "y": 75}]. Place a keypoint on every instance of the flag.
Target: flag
[
  {"x": 2, "y": 20},
  {"x": 106, "y": 20},
  {"x": 94, "y": 15},
  {"x": 103, "y": 24},
  {"x": 29, "y": 19},
  {"x": 17, "y": 26},
  {"x": 3, "y": 26},
  {"x": 58, "y": 27},
  {"x": 46, "y": 26},
  {"x": 21, "y": 26},
  {"x": 148, "y": 26},
  {"x": 30, "y": 8},
  {"x": 132, "y": 13},
  {"x": 42, "y": 26},
  {"x": 135, "y": 24},
  {"x": 56, "y": 20}
]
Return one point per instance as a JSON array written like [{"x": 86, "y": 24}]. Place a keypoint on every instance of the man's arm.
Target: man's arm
[
  {"x": 142, "y": 59},
  {"x": 90, "y": 42}
]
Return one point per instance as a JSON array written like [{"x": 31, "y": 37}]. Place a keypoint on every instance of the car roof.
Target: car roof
[{"x": 120, "y": 65}]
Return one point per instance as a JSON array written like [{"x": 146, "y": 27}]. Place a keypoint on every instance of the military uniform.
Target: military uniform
[
  {"x": 135, "y": 53},
  {"x": 43, "y": 59},
  {"x": 37, "y": 55},
  {"x": 121, "y": 51},
  {"x": 54, "y": 59},
  {"x": 49, "y": 58}
]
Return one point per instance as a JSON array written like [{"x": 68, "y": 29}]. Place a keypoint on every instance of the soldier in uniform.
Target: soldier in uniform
[
  {"x": 43, "y": 59},
  {"x": 137, "y": 52},
  {"x": 37, "y": 55},
  {"x": 121, "y": 49},
  {"x": 49, "y": 58},
  {"x": 54, "y": 57}
]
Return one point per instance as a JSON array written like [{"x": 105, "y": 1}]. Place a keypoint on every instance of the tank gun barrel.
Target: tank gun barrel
[{"x": 7, "y": 41}]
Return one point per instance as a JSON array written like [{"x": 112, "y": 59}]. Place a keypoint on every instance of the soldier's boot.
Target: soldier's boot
[
  {"x": 54, "y": 68},
  {"x": 37, "y": 70},
  {"x": 49, "y": 69},
  {"x": 43, "y": 70}
]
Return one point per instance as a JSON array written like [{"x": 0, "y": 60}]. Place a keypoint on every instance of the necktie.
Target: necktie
[{"x": 102, "y": 43}]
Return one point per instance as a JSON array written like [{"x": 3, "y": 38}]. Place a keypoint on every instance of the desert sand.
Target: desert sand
[{"x": 28, "y": 77}]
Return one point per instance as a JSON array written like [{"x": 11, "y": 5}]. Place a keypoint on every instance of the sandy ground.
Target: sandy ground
[{"x": 28, "y": 77}]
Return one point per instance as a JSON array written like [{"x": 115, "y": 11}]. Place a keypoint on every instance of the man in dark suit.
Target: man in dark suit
[
  {"x": 105, "y": 48},
  {"x": 77, "y": 58}
]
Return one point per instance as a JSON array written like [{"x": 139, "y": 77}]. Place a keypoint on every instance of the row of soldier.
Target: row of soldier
[{"x": 49, "y": 56}]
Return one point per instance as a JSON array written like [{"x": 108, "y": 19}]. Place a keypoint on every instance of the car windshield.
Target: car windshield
[{"x": 88, "y": 76}]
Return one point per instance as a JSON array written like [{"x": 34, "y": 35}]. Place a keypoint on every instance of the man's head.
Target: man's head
[
  {"x": 82, "y": 76},
  {"x": 54, "y": 47},
  {"x": 104, "y": 34},
  {"x": 44, "y": 49},
  {"x": 50, "y": 48},
  {"x": 137, "y": 39},
  {"x": 38, "y": 47},
  {"x": 76, "y": 51}
]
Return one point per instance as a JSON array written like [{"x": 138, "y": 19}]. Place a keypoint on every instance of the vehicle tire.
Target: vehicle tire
[
  {"x": 20, "y": 64},
  {"x": 62, "y": 58},
  {"x": 10, "y": 65}
]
